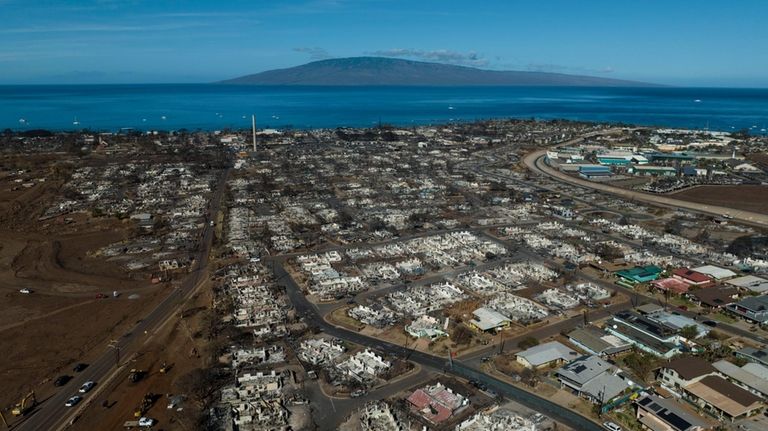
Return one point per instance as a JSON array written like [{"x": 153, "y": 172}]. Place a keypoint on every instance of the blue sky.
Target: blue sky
[{"x": 696, "y": 43}]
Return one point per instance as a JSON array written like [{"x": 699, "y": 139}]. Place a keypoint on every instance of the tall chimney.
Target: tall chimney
[{"x": 253, "y": 123}]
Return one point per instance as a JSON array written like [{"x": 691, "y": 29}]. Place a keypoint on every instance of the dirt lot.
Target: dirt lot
[
  {"x": 743, "y": 197},
  {"x": 173, "y": 344},
  {"x": 61, "y": 321},
  {"x": 43, "y": 333}
]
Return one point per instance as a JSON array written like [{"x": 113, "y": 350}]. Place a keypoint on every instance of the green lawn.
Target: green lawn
[{"x": 722, "y": 317}]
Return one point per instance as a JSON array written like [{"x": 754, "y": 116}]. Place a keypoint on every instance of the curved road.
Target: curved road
[
  {"x": 51, "y": 413},
  {"x": 313, "y": 318},
  {"x": 535, "y": 162}
]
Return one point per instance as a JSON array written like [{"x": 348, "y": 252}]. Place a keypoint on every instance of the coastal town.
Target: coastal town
[{"x": 491, "y": 275}]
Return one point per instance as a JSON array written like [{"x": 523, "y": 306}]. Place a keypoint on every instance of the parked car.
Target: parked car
[
  {"x": 79, "y": 367},
  {"x": 146, "y": 422},
  {"x": 61, "y": 380},
  {"x": 710, "y": 323},
  {"x": 25, "y": 290},
  {"x": 73, "y": 401},
  {"x": 611, "y": 426},
  {"x": 87, "y": 386}
]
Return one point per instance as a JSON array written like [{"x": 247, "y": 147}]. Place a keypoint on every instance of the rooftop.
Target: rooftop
[
  {"x": 690, "y": 368},
  {"x": 724, "y": 395},
  {"x": 546, "y": 353},
  {"x": 670, "y": 412}
]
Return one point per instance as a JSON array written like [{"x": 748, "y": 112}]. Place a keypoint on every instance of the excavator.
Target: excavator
[
  {"x": 146, "y": 403},
  {"x": 26, "y": 404}
]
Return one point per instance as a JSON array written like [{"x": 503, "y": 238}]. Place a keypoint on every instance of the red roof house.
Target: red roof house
[{"x": 692, "y": 277}]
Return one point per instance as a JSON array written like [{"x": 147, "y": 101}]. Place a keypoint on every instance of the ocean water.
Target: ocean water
[{"x": 214, "y": 106}]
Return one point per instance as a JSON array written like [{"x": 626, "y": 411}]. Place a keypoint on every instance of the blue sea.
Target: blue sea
[{"x": 215, "y": 106}]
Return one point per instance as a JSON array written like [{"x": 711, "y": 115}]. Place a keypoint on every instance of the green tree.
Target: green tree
[{"x": 689, "y": 332}]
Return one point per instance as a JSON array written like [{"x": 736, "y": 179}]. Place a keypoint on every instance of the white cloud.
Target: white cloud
[{"x": 470, "y": 58}]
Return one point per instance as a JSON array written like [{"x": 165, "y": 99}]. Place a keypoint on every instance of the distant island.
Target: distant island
[{"x": 384, "y": 71}]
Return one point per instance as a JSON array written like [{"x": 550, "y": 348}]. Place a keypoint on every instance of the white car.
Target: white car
[
  {"x": 72, "y": 401},
  {"x": 25, "y": 290},
  {"x": 146, "y": 422},
  {"x": 87, "y": 386},
  {"x": 611, "y": 426}
]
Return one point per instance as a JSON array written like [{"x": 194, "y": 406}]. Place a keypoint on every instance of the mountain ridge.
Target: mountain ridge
[{"x": 384, "y": 71}]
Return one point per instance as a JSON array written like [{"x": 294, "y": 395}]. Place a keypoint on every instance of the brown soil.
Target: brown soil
[
  {"x": 44, "y": 333},
  {"x": 742, "y": 197},
  {"x": 174, "y": 345}
]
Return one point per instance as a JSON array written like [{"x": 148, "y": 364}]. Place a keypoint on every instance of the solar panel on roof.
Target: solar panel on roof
[{"x": 673, "y": 419}]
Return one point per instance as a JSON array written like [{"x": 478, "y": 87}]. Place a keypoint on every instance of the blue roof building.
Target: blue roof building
[
  {"x": 640, "y": 274},
  {"x": 593, "y": 171}
]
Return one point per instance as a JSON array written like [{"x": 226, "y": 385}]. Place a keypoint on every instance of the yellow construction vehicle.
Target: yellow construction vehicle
[
  {"x": 144, "y": 406},
  {"x": 26, "y": 404}
]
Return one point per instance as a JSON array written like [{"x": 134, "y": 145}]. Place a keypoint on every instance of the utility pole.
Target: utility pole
[{"x": 114, "y": 344}]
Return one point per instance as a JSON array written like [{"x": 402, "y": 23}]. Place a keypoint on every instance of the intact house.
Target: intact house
[
  {"x": 752, "y": 377},
  {"x": 648, "y": 335},
  {"x": 546, "y": 354},
  {"x": 487, "y": 319},
  {"x": 593, "y": 378},
  {"x": 596, "y": 341},
  {"x": 713, "y": 297},
  {"x": 681, "y": 372},
  {"x": 758, "y": 356},
  {"x": 751, "y": 308},
  {"x": 691, "y": 277},
  {"x": 715, "y": 272},
  {"x": 670, "y": 284},
  {"x": 752, "y": 283},
  {"x": 660, "y": 414},
  {"x": 722, "y": 398},
  {"x": 437, "y": 403},
  {"x": 639, "y": 274}
]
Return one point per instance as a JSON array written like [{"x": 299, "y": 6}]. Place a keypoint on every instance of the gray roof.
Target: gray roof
[
  {"x": 649, "y": 308},
  {"x": 486, "y": 318},
  {"x": 742, "y": 376},
  {"x": 757, "y": 369},
  {"x": 756, "y": 304},
  {"x": 751, "y": 282},
  {"x": 546, "y": 353},
  {"x": 671, "y": 413},
  {"x": 605, "y": 387},
  {"x": 596, "y": 341},
  {"x": 715, "y": 271},
  {"x": 759, "y": 356},
  {"x": 584, "y": 369}
]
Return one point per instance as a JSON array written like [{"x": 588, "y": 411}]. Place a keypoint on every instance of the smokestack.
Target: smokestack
[{"x": 253, "y": 123}]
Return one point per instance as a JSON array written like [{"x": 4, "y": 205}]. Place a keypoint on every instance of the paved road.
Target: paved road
[
  {"x": 313, "y": 318},
  {"x": 328, "y": 413},
  {"x": 51, "y": 414},
  {"x": 535, "y": 162}
]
